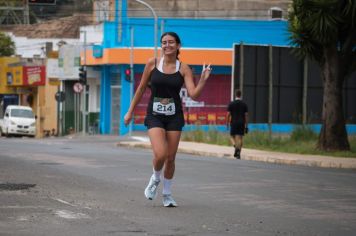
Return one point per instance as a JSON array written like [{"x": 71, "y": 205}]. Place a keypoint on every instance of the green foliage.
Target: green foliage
[
  {"x": 317, "y": 24},
  {"x": 302, "y": 140},
  {"x": 7, "y": 46},
  {"x": 262, "y": 140},
  {"x": 212, "y": 137},
  {"x": 303, "y": 133},
  {"x": 324, "y": 31}
]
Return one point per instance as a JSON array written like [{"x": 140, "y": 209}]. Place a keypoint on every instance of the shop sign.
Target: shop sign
[
  {"x": 34, "y": 75},
  {"x": 97, "y": 51},
  {"x": 52, "y": 68},
  {"x": 14, "y": 76},
  {"x": 68, "y": 62}
]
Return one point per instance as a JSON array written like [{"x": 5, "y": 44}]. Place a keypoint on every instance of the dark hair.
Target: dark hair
[
  {"x": 238, "y": 93},
  {"x": 175, "y": 36}
]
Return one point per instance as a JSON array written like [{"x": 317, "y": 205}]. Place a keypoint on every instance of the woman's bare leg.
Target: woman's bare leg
[
  {"x": 159, "y": 147},
  {"x": 173, "y": 138}
]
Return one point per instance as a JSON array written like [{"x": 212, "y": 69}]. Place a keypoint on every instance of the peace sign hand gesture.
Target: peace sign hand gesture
[{"x": 206, "y": 72}]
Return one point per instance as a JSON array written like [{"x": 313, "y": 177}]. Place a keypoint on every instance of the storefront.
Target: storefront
[{"x": 131, "y": 40}]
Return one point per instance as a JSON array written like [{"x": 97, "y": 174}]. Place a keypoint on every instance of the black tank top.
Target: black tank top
[{"x": 165, "y": 88}]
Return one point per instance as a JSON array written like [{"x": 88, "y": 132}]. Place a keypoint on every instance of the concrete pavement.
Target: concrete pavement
[{"x": 204, "y": 149}]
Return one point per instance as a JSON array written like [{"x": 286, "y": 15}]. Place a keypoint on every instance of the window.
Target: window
[
  {"x": 98, "y": 98},
  {"x": 22, "y": 113}
]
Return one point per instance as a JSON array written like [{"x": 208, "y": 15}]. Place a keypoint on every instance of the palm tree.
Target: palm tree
[{"x": 325, "y": 31}]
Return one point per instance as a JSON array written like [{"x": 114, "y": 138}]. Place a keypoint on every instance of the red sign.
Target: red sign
[
  {"x": 209, "y": 108},
  {"x": 34, "y": 75}
]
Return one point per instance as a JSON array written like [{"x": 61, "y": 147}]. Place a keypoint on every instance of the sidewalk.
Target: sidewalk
[{"x": 203, "y": 149}]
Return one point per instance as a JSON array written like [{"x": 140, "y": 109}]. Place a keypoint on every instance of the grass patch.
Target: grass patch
[
  {"x": 302, "y": 140},
  {"x": 211, "y": 137}
]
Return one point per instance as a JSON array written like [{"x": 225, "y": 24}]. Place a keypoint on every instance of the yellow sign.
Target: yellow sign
[
  {"x": 54, "y": 81},
  {"x": 14, "y": 76},
  {"x": 4, "y": 66}
]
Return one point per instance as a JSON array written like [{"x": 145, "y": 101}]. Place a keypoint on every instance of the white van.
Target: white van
[{"x": 18, "y": 120}]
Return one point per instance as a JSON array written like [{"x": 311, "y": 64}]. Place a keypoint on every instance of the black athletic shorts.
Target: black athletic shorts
[
  {"x": 237, "y": 129},
  {"x": 169, "y": 123}
]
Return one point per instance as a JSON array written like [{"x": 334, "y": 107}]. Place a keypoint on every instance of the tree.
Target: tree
[
  {"x": 325, "y": 31},
  {"x": 7, "y": 46}
]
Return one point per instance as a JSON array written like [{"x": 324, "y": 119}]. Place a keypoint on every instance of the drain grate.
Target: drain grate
[{"x": 15, "y": 187}]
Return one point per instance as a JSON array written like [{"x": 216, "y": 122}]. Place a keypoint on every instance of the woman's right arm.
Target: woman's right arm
[{"x": 140, "y": 89}]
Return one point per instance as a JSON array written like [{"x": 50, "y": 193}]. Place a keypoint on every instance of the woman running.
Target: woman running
[{"x": 164, "y": 118}]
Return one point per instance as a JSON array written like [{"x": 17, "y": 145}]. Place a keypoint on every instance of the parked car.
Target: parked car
[{"x": 18, "y": 120}]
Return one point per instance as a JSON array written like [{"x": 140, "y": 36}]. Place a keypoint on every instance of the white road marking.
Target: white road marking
[
  {"x": 143, "y": 139},
  {"x": 71, "y": 215},
  {"x": 62, "y": 201},
  {"x": 22, "y": 218}
]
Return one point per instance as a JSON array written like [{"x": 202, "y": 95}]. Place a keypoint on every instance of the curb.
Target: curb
[
  {"x": 344, "y": 164},
  {"x": 209, "y": 150}
]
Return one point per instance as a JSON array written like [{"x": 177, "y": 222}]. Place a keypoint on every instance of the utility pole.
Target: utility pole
[
  {"x": 84, "y": 106},
  {"x": 26, "y": 13},
  {"x": 132, "y": 79}
]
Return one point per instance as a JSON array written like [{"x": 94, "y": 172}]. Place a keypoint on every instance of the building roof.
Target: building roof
[{"x": 66, "y": 27}]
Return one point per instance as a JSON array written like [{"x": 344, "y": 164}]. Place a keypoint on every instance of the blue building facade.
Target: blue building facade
[{"x": 211, "y": 39}]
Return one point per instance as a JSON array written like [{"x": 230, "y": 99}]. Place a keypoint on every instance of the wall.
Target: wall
[
  {"x": 202, "y": 34},
  {"x": 4, "y": 62},
  {"x": 49, "y": 110},
  {"x": 29, "y": 47},
  {"x": 287, "y": 80},
  {"x": 235, "y": 9},
  {"x": 93, "y": 82},
  {"x": 198, "y": 33}
]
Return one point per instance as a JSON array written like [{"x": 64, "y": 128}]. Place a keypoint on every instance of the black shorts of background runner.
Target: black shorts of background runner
[
  {"x": 169, "y": 123},
  {"x": 237, "y": 128}
]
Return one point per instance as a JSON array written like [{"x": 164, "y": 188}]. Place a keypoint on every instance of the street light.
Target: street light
[{"x": 155, "y": 24}]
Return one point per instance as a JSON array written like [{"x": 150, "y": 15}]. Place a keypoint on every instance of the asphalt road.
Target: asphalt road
[{"x": 89, "y": 186}]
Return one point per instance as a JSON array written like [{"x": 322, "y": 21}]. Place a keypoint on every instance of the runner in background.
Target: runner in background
[{"x": 237, "y": 118}]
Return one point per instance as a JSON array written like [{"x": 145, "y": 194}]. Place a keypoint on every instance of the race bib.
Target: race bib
[{"x": 164, "y": 106}]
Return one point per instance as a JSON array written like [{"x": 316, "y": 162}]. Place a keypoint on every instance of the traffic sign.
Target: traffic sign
[{"x": 78, "y": 87}]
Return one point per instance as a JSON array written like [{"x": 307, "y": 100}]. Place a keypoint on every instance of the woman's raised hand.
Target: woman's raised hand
[
  {"x": 206, "y": 72},
  {"x": 127, "y": 118}
]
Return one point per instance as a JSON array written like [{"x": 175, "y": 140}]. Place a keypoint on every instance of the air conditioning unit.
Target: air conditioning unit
[{"x": 276, "y": 13}]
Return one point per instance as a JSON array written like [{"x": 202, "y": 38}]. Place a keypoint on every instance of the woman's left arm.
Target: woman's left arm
[{"x": 194, "y": 91}]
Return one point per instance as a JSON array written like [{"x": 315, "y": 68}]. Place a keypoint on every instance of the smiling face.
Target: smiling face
[{"x": 169, "y": 45}]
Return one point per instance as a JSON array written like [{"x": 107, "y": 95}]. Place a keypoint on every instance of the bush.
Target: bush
[
  {"x": 303, "y": 133},
  {"x": 212, "y": 136}
]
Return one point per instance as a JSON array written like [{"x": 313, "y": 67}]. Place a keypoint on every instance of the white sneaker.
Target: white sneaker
[
  {"x": 168, "y": 201},
  {"x": 151, "y": 189}
]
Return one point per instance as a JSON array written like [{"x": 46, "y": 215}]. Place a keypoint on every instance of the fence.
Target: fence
[{"x": 279, "y": 88}]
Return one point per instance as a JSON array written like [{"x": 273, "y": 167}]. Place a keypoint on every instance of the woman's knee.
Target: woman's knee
[
  {"x": 160, "y": 156},
  {"x": 170, "y": 159}
]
